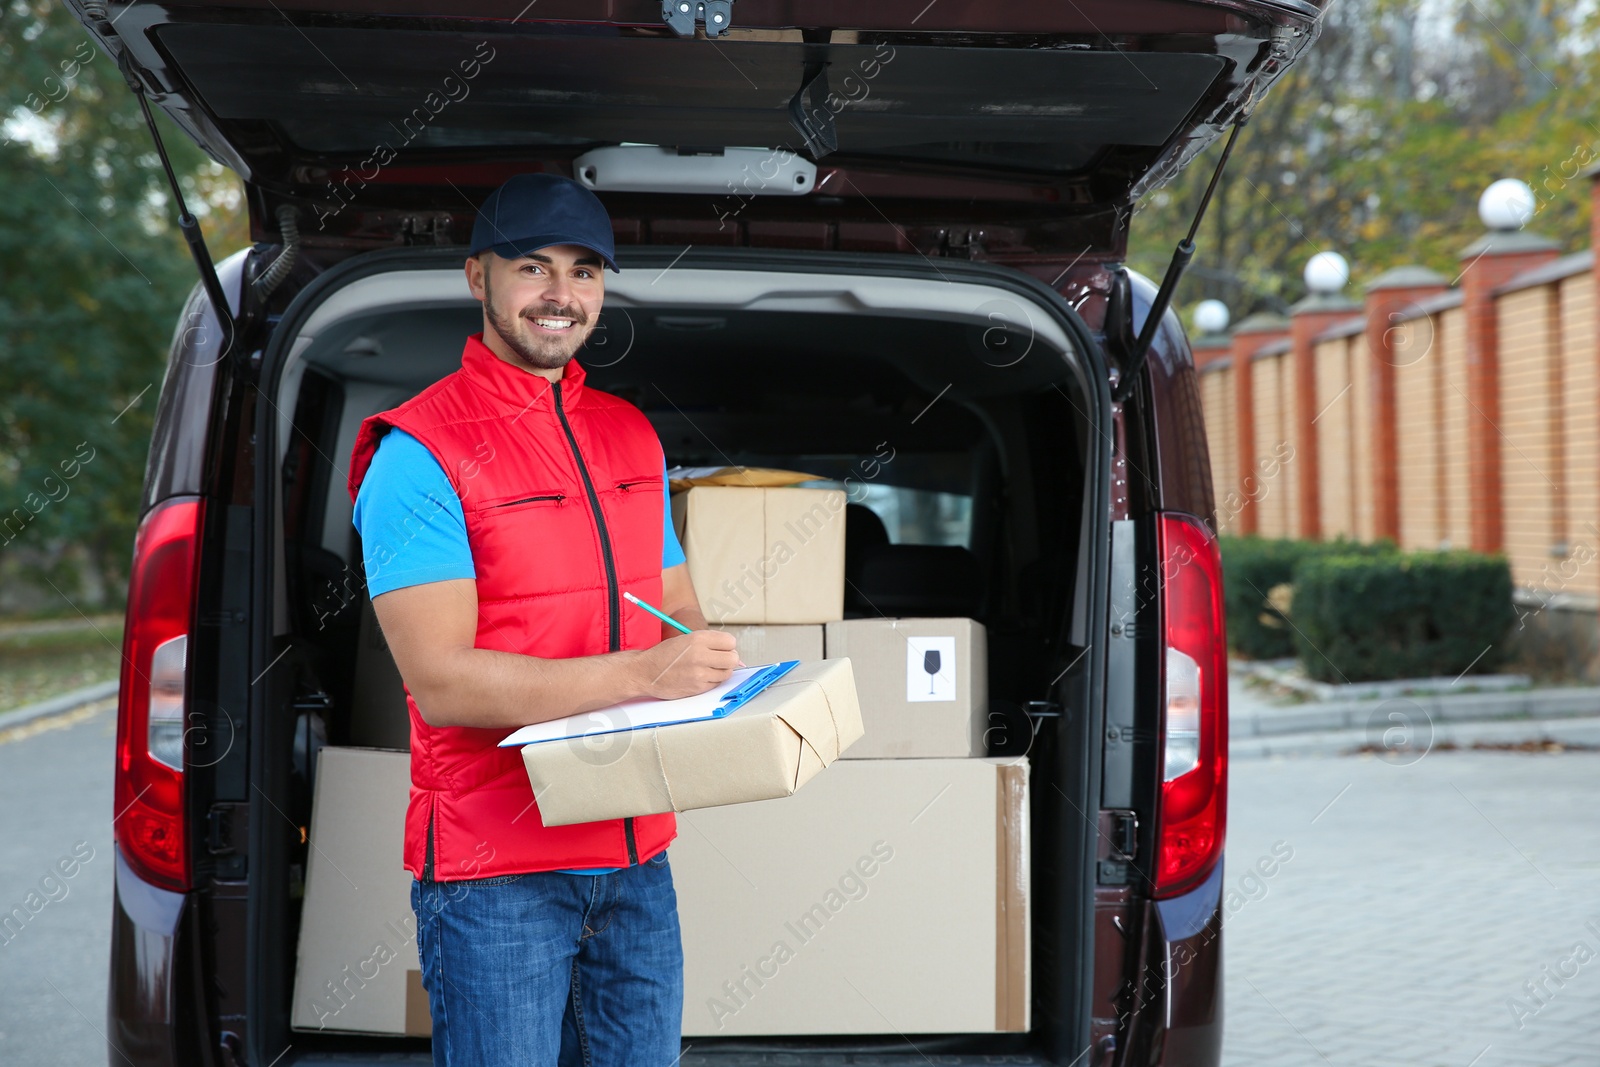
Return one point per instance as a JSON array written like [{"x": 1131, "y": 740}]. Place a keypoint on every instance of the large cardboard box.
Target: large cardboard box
[
  {"x": 770, "y": 747},
  {"x": 774, "y": 644},
  {"x": 924, "y": 684},
  {"x": 764, "y": 555},
  {"x": 889, "y": 897},
  {"x": 358, "y": 969}
]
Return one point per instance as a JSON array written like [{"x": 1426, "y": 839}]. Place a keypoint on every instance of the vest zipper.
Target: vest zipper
[
  {"x": 427, "y": 860},
  {"x": 613, "y": 590},
  {"x": 614, "y": 598}
]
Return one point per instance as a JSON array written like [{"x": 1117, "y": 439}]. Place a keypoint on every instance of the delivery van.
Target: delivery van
[{"x": 879, "y": 244}]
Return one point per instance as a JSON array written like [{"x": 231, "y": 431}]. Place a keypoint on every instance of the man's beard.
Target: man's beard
[{"x": 537, "y": 350}]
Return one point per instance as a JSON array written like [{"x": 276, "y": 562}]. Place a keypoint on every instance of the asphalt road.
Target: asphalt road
[
  {"x": 55, "y": 808},
  {"x": 1432, "y": 914}
]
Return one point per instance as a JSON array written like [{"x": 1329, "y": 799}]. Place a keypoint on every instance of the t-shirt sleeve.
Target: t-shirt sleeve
[
  {"x": 671, "y": 550},
  {"x": 413, "y": 530}
]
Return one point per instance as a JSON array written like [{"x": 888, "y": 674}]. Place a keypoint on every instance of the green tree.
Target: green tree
[
  {"x": 1378, "y": 142},
  {"x": 92, "y": 276}
]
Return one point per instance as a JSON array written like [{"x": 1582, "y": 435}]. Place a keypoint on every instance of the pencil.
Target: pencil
[
  {"x": 657, "y": 612},
  {"x": 663, "y": 616}
]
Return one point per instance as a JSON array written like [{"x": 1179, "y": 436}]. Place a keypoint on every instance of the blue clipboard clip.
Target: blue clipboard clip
[{"x": 745, "y": 690}]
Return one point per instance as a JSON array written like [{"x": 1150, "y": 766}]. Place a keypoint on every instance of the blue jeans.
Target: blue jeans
[{"x": 552, "y": 969}]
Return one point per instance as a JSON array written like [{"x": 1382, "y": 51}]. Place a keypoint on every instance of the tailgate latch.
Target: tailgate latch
[
  {"x": 1118, "y": 846},
  {"x": 227, "y": 828},
  {"x": 682, "y": 15}
]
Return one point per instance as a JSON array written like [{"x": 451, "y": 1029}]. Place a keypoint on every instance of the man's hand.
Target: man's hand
[{"x": 688, "y": 664}]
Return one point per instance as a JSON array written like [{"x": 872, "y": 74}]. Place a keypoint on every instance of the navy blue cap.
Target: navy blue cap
[{"x": 534, "y": 211}]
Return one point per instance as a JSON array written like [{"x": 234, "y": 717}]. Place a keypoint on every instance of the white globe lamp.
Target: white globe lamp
[
  {"x": 1507, "y": 204},
  {"x": 1326, "y": 273},
  {"x": 1211, "y": 316}
]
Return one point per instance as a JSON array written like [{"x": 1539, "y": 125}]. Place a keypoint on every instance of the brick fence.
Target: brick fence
[{"x": 1438, "y": 412}]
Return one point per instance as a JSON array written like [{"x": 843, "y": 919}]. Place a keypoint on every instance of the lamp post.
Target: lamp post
[
  {"x": 1326, "y": 274},
  {"x": 1506, "y": 207}
]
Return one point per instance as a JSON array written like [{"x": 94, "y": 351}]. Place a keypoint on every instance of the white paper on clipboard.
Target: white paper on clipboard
[{"x": 631, "y": 714}]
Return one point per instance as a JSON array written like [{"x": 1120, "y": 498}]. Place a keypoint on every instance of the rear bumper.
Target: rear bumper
[
  {"x": 1188, "y": 944},
  {"x": 142, "y": 1006}
]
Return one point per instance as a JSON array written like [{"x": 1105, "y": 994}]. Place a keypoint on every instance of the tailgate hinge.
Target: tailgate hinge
[
  {"x": 426, "y": 229},
  {"x": 682, "y": 15},
  {"x": 957, "y": 244}
]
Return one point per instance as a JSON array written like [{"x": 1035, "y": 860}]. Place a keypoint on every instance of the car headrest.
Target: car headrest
[{"x": 862, "y": 529}]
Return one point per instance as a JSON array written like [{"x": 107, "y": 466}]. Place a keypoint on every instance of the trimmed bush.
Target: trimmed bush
[
  {"x": 1251, "y": 568},
  {"x": 1401, "y": 615}
]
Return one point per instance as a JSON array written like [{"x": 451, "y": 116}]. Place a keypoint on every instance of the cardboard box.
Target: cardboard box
[
  {"x": 774, "y": 644},
  {"x": 892, "y": 896},
  {"x": 764, "y": 555},
  {"x": 379, "y": 717},
  {"x": 907, "y": 709},
  {"x": 357, "y": 969},
  {"x": 768, "y": 748}
]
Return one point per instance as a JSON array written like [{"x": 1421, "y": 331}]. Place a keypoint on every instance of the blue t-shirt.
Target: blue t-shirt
[{"x": 413, "y": 530}]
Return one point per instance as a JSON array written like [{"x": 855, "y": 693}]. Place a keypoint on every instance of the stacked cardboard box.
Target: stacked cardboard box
[
  {"x": 762, "y": 643},
  {"x": 923, "y": 684},
  {"x": 768, "y": 565},
  {"x": 764, "y": 555},
  {"x": 891, "y": 895}
]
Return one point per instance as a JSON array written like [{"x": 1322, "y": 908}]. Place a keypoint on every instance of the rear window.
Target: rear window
[{"x": 913, "y": 516}]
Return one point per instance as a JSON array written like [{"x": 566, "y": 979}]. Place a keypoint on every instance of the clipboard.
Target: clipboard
[
  {"x": 763, "y": 677},
  {"x": 721, "y": 700}
]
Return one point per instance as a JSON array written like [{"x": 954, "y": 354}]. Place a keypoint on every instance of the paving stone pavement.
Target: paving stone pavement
[{"x": 1420, "y": 901}]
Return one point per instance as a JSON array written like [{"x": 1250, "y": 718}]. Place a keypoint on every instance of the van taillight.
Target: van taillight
[
  {"x": 150, "y": 827},
  {"x": 1194, "y": 688}
]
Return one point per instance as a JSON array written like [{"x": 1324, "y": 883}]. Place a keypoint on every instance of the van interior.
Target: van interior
[{"x": 955, "y": 415}]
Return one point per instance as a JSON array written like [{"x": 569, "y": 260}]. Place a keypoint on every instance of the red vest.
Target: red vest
[{"x": 561, "y": 488}]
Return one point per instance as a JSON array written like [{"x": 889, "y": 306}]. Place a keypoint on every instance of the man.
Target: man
[{"x": 503, "y": 512}]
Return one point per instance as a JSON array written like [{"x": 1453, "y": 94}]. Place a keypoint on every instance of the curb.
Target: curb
[
  {"x": 38, "y": 627},
  {"x": 55, "y": 705},
  {"x": 1573, "y": 732},
  {"x": 1274, "y": 672},
  {"x": 1577, "y": 702}
]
